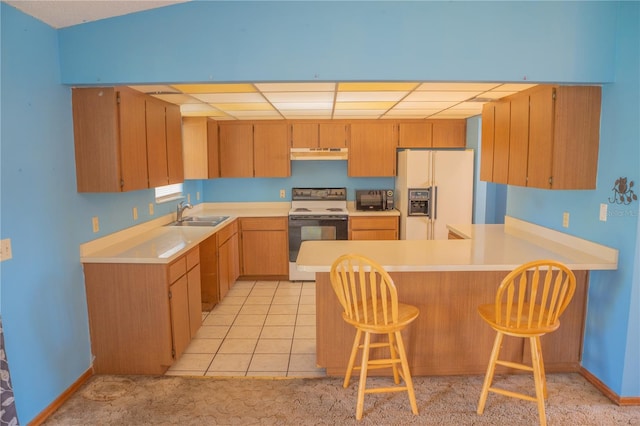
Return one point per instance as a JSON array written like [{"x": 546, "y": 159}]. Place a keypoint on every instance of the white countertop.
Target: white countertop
[
  {"x": 152, "y": 242},
  {"x": 489, "y": 248}
]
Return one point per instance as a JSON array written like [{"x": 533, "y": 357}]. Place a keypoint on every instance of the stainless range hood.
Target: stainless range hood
[{"x": 319, "y": 153}]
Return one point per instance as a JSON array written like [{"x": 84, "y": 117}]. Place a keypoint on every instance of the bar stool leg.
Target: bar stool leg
[
  {"x": 406, "y": 373},
  {"x": 363, "y": 375},
  {"x": 394, "y": 357},
  {"x": 488, "y": 378},
  {"x": 538, "y": 377},
  {"x": 352, "y": 358}
]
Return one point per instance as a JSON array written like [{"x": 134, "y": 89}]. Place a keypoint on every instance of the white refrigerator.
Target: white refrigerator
[{"x": 448, "y": 178}]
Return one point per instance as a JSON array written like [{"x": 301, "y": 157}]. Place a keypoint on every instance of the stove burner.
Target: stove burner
[
  {"x": 335, "y": 209},
  {"x": 302, "y": 209}
]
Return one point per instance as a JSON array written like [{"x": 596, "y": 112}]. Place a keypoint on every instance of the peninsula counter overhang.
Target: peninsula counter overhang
[{"x": 487, "y": 248}]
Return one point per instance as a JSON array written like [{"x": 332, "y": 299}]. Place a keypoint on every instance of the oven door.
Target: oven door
[{"x": 306, "y": 228}]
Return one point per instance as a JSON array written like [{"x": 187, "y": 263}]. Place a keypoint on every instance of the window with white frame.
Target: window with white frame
[{"x": 168, "y": 192}]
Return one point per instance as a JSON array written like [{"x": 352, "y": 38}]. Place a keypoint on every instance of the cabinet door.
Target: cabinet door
[
  {"x": 333, "y": 135},
  {"x": 195, "y": 300},
  {"x": 415, "y": 135},
  {"x": 372, "y": 149},
  {"x": 236, "y": 149},
  {"x": 264, "y": 246},
  {"x": 576, "y": 137},
  {"x": 175, "y": 165},
  {"x": 373, "y": 228},
  {"x": 271, "y": 150},
  {"x": 194, "y": 131},
  {"x": 133, "y": 145},
  {"x": 224, "y": 262},
  {"x": 96, "y": 140},
  {"x": 209, "y": 273},
  {"x": 213, "y": 149},
  {"x": 519, "y": 141},
  {"x": 486, "y": 146},
  {"x": 156, "y": 143},
  {"x": 234, "y": 259},
  {"x": 304, "y": 135},
  {"x": 540, "y": 137},
  {"x": 501, "y": 142},
  {"x": 179, "y": 303},
  {"x": 449, "y": 133}
]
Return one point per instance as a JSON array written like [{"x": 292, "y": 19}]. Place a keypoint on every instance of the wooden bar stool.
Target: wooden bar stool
[
  {"x": 370, "y": 301},
  {"x": 528, "y": 304}
]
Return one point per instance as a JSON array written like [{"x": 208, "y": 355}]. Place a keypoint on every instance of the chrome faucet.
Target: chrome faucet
[{"x": 180, "y": 209}]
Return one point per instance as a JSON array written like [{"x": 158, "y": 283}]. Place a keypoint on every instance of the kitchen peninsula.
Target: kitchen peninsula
[{"x": 447, "y": 280}]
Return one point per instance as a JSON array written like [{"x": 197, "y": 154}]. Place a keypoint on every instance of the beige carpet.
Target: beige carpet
[{"x": 167, "y": 400}]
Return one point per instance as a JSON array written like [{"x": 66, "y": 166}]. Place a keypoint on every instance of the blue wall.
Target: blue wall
[{"x": 42, "y": 293}]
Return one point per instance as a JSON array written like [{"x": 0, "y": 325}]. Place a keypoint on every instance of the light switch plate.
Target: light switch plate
[
  {"x": 603, "y": 212},
  {"x": 135, "y": 213},
  {"x": 96, "y": 224},
  {"x": 150, "y": 209},
  {"x": 565, "y": 219},
  {"x": 282, "y": 193},
  {"x": 5, "y": 249}
]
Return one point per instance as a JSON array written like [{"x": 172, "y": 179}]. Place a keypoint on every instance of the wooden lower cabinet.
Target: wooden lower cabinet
[
  {"x": 449, "y": 337},
  {"x": 228, "y": 258},
  {"x": 373, "y": 227},
  {"x": 264, "y": 247},
  {"x": 142, "y": 316}
]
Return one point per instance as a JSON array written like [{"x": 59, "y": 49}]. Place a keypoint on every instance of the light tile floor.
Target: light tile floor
[{"x": 261, "y": 328}]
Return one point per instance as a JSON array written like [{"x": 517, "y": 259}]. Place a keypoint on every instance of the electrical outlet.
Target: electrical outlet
[
  {"x": 565, "y": 219},
  {"x": 188, "y": 198},
  {"x": 197, "y": 195},
  {"x": 282, "y": 193},
  {"x": 135, "y": 213},
  {"x": 603, "y": 212},
  {"x": 150, "y": 209},
  {"x": 96, "y": 224},
  {"x": 5, "y": 249}
]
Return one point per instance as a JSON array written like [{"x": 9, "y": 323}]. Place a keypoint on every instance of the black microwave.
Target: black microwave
[{"x": 374, "y": 199}]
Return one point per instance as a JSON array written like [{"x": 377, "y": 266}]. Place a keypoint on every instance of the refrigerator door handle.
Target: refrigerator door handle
[{"x": 434, "y": 214}]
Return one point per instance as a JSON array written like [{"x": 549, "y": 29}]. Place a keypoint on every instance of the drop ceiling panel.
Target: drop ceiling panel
[{"x": 332, "y": 100}]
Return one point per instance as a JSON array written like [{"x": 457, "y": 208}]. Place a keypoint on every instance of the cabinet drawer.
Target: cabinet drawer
[
  {"x": 193, "y": 258},
  {"x": 387, "y": 222},
  {"x": 225, "y": 233},
  {"x": 177, "y": 269},
  {"x": 264, "y": 223}
]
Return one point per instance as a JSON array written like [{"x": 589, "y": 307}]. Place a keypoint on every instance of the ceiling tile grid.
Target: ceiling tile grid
[{"x": 332, "y": 100}]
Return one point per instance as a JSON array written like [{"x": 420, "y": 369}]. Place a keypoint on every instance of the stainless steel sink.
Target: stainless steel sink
[{"x": 200, "y": 221}]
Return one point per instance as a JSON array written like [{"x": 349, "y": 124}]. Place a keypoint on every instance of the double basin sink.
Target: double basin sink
[{"x": 200, "y": 221}]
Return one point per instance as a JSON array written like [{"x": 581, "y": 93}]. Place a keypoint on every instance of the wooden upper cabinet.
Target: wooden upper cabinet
[
  {"x": 415, "y": 134},
  {"x": 236, "y": 149},
  {"x": 304, "y": 135},
  {"x": 325, "y": 134},
  {"x": 502, "y": 123},
  {"x": 544, "y": 137},
  {"x": 519, "y": 141},
  {"x": 110, "y": 139},
  {"x": 213, "y": 149},
  {"x": 333, "y": 134},
  {"x": 200, "y": 147},
  {"x": 372, "y": 149},
  {"x": 449, "y": 133},
  {"x": 156, "y": 143},
  {"x": 271, "y": 150},
  {"x": 194, "y": 132},
  {"x": 175, "y": 166},
  {"x": 486, "y": 146},
  {"x": 564, "y": 136}
]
